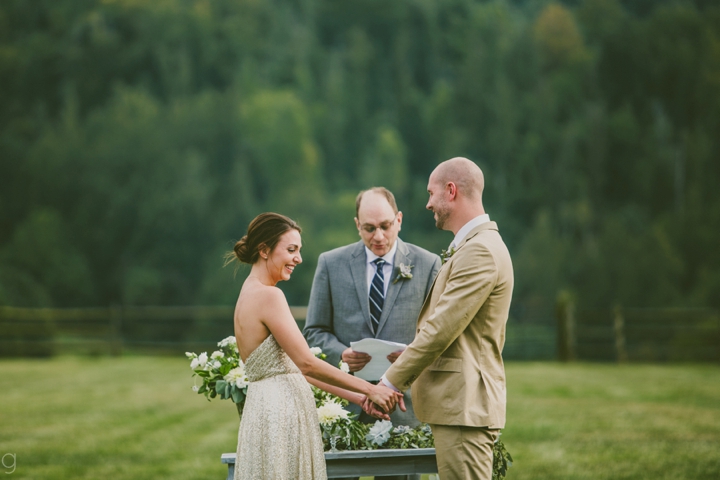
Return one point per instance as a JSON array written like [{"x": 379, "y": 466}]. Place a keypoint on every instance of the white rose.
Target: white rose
[
  {"x": 316, "y": 351},
  {"x": 344, "y": 367},
  {"x": 380, "y": 432},
  {"x": 217, "y": 354},
  {"x": 329, "y": 412}
]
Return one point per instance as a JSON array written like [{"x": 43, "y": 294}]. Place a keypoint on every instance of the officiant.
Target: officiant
[{"x": 374, "y": 288}]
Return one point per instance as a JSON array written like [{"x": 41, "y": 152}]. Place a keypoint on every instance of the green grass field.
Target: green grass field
[{"x": 136, "y": 418}]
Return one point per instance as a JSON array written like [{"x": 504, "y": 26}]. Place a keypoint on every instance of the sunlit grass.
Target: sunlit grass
[
  {"x": 136, "y": 418},
  {"x": 594, "y": 421}
]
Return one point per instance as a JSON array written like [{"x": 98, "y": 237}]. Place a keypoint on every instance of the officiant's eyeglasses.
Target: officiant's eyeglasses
[{"x": 383, "y": 226}]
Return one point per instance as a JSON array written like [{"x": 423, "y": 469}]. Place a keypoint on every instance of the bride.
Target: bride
[{"x": 279, "y": 435}]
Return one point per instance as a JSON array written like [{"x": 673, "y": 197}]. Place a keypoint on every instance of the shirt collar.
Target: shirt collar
[
  {"x": 462, "y": 233},
  {"x": 388, "y": 257}
]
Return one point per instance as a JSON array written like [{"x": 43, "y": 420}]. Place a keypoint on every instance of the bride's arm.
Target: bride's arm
[
  {"x": 279, "y": 320},
  {"x": 352, "y": 397}
]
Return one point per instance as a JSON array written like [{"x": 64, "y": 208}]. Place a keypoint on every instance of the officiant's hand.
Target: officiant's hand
[
  {"x": 394, "y": 356},
  {"x": 355, "y": 360},
  {"x": 371, "y": 409}
]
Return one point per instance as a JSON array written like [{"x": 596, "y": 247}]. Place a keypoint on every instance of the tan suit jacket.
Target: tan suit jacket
[{"x": 454, "y": 365}]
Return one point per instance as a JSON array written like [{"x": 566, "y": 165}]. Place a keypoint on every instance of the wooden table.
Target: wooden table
[{"x": 360, "y": 463}]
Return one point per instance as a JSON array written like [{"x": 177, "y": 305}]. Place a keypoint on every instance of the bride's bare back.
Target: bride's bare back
[{"x": 255, "y": 303}]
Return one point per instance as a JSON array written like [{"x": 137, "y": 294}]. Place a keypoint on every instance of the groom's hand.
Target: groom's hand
[
  {"x": 355, "y": 360},
  {"x": 373, "y": 410}
]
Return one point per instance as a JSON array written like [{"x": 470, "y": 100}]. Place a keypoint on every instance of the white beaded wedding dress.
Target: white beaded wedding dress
[{"x": 279, "y": 437}]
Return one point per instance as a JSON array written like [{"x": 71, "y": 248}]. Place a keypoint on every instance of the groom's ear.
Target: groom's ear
[{"x": 451, "y": 190}]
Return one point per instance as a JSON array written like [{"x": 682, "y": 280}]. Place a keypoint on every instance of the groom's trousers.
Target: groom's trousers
[{"x": 464, "y": 453}]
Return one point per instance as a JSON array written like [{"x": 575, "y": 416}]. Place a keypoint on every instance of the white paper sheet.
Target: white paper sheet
[{"x": 378, "y": 350}]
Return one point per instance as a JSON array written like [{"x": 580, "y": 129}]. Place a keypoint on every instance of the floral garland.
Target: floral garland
[{"x": 223, "y": 375}]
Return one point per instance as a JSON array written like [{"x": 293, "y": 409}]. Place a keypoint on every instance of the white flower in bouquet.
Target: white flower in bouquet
[
  {"x": 228, "y": 342},
  {"x": 329, "y": 412},
  {"x": 217, "y": 354},
  {"x": 190, "y": 355},
  {"x": 344, "y": 367},
  {"x": 199, "y": 361},
  {"x": 237, "y": 377},
  {"x": 379, "y": 433},
  {"x": 195, "y": 388},
  {"x": 202, "y": 359},
  {"x": 316, "y": 351}
]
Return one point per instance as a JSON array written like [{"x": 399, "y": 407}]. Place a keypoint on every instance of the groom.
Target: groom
[
  {"x": 353, "y": 297},
  {"x": 454, "y": 364}
]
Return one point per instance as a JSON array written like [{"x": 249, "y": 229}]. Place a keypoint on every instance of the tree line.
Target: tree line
[{"x": 138, "y": 139}]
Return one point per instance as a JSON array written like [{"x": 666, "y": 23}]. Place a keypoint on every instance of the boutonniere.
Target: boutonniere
[
  {"x": 446, "y": 254},
  {"x": 404, "y": 272}
]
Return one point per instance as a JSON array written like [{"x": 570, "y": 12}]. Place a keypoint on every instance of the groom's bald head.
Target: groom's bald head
[
  {"x": 455, "y": 188},
  {"x": 464, "y": 173}
]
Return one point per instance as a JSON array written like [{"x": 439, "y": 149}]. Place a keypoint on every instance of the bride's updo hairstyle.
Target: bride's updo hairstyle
[{"x": 263, "y": 232}]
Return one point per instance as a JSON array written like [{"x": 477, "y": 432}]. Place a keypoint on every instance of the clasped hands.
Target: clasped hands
[{"x": 382, "y": 401}]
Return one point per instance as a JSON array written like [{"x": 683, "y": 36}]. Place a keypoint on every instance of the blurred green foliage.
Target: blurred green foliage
[{"x": 138, "y": 139}]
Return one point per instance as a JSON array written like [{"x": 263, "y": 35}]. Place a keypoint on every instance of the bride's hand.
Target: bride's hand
[
  {"x": 384, "y": 397},
  {"x": 371, "y": 409}
]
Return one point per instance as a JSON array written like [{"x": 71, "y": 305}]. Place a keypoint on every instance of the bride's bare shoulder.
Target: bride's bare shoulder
[{"x": 261, "y": 296}]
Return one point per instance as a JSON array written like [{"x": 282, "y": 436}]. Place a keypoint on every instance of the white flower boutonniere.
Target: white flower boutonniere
[
  {"x": 403, "y": 272},
  {"x": 446, "y": 254}
]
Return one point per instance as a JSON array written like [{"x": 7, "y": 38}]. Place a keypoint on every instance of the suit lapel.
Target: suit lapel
[
  {"x": 401, "y": 256},
  {"x": 358, "y": 269}
]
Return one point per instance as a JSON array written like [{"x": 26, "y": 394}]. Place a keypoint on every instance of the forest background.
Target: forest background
[{"x": 138, "y": 139}]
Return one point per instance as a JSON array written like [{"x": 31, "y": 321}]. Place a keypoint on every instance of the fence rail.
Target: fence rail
[
  {"x": 640, "y": 334},
  {"x": 114, "y": 330},
  {"x": 629, "y": 334}
]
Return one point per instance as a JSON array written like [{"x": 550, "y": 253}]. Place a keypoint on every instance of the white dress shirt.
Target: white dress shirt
[
  {"x": 387, "y": 268},
  {"x": 462, "y": 233}
]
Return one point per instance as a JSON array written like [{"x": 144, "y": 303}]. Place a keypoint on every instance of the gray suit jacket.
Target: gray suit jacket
[{"x": 339, "y": 313}]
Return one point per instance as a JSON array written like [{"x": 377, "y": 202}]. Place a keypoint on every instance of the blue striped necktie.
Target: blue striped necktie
[{"x": 377, "y": 294}]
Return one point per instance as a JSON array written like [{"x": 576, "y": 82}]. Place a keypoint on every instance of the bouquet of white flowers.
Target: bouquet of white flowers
[{"x": 223, "y": 373}]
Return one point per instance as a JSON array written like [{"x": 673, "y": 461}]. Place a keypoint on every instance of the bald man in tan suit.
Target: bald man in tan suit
[{"x": 454, "y": 365}]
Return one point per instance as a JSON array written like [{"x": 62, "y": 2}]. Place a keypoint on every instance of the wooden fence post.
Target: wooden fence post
[
  {"x": 565, "y": 311},
  {"x": 116, "y": 341},
  {"x": 619, "y": 328}
]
